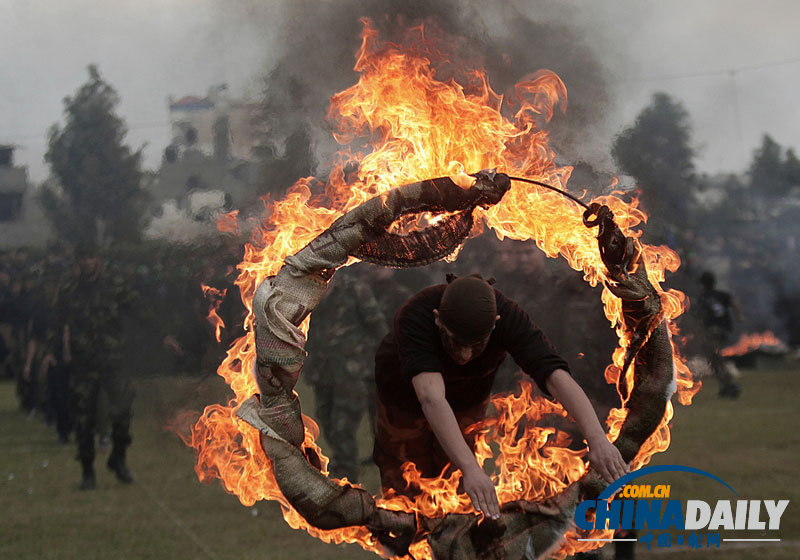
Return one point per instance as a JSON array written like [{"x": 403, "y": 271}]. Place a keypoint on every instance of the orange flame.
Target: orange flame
[
  {"x": 755, "y": 341},
  {"x": 215, "y": 296},
  {"x": 228, "y": 223},
  {"x": 419, "y": 127}
]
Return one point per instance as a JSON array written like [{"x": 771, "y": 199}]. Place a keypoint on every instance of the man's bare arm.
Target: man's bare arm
[
  {"x": 29, "y": 354},
  {"x": 603, "y": 456},
  {"x": 430, "y": 390}
]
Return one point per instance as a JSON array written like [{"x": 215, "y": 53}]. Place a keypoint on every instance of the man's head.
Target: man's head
[
  {"x": 466, "y": 317},
  {"x": 707, "y": 280},
  {"x": 89, "y": 261}
]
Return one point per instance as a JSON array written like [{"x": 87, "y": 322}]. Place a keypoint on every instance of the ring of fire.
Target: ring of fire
[{"x": 422, "y": 127}]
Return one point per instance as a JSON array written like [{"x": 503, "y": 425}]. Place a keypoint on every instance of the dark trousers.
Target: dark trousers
[
  {"x": 401, "y": 437},
  {"x": 716, "y": 339},
  {"x": 86, "y": 392},
  {"x": 58, "y": 395},
  {"x": 340, "y": 396},
  {"x": 28, "y": 389}
]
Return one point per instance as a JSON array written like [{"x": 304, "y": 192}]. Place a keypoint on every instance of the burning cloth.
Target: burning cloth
[{"x": 525, "y": 529}]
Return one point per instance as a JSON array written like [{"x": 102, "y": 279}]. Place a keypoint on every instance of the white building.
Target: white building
[
  {"x": 208, "y": 168},
  {"x": 214, "y": 124}
]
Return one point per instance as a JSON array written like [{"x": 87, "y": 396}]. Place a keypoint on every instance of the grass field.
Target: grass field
[{"x": 753, "y": 444}]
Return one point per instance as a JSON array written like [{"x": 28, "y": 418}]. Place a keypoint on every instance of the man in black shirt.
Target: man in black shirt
[{"x": 434, "y": 374}]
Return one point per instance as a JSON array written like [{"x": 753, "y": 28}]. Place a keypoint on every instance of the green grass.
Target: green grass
[
  {"x": 753, "y": 444},
  {"x": 165, "y": 514}
]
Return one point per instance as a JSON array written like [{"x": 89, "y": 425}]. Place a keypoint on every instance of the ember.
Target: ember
[{"x": 420, "y": 128}]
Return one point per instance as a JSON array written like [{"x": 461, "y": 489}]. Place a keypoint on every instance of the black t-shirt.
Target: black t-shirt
[{"x": 415, "y": 346}]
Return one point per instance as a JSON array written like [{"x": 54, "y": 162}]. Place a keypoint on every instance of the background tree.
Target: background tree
[
  {"x": 773, "y": 174},
  {"x": 95, "y": 194},
  {"x": 656, "y": 151},
  {"x": 791, "y": 168}
]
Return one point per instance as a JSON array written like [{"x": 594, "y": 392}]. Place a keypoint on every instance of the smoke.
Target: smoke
[
  {"x": 317, "y": 42},
  {"x": 582, "y": 44},
  {"x": 315, "y": 59}
]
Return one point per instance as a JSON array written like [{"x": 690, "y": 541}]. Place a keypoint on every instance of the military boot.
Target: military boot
[
  {"x": 116, "y": 463},
  {"x": 88, "y": 480}
]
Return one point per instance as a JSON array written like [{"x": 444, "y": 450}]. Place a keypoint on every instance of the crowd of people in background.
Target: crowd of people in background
[
  {"x": 74, "y": 357},
  {"x": 74, "y": 322}
]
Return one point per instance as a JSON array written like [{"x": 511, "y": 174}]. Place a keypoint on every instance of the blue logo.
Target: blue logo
[{"x": 647, "y": 507}]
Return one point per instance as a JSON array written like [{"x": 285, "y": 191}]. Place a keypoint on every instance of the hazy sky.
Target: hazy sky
[{"x": 734, "y": 64}]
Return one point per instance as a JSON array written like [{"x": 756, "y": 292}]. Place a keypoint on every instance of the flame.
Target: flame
[
  {"x": 419, "y": 127},
  {"x": 754, "y": 341},
  {"x": 228, "y": 223},
  {"x": 215, "y": 296}
]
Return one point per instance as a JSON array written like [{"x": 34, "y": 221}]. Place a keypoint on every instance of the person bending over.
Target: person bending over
[{"x": 434, "y": 374}]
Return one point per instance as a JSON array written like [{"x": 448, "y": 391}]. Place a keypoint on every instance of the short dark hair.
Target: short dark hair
[
  {"x": 468, "y": 307},
  {"x": 708, "y": 280}
]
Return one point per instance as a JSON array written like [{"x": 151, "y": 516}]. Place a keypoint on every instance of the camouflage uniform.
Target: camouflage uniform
[
  {"x": 93, "y": 314},
  {"x": 26, "y": 302},
  {"x": 390, "y": 295},
  {"x": 346, "y": 328},
  {"x": 51, "y": 322}
]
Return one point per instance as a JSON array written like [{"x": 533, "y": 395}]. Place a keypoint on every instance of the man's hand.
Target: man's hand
[
  {"x": 480, "y": 489},
  {"x": 606, "y": 459},
  {"x": 429, "y": 387},
  {"x": 603, "y": 456},
  {"x": 47, "y": 361}
]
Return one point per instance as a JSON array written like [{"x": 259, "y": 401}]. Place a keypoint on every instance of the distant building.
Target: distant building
[
  {"x": 215, "y": 124},
  {"x": 193, "y": 171},
  {"x": 195, "y": 188},
  {"x": 22, "y": 223},
  {"x": 208, "y": 167}
]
